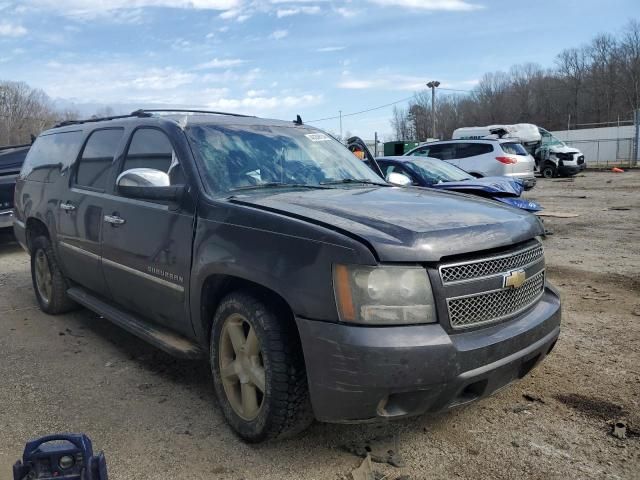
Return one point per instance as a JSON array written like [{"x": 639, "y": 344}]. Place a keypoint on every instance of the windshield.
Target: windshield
[
  {"x": 435, "y": 171},
  {"x": 548, "y": 139},
  {"x": 254, "y": 156}
]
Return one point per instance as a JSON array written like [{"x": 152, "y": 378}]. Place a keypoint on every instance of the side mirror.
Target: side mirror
[
  {"x": 398, "y": 179},
  {"x": 148, "y": 184}
]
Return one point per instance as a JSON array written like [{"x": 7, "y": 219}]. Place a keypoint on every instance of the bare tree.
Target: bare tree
[
  {"x": 24, "y": 111},
  {"x": 598, "y": 82}
]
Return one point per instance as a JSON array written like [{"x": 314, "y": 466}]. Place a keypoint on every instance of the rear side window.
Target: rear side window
[
  {"x": 149, "y": 148},
  {"x": 94, "y": 165},
  {"x": 466, "y": 150},
  {"x": 514, "y": 149},
  {"x": 445, "y": 151},
  {"x": 49, "y": 154}
]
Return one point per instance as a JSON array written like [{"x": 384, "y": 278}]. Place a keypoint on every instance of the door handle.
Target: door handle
[
  {"x": 114, "y": 219},
  {"x": 67, "y": 207}
]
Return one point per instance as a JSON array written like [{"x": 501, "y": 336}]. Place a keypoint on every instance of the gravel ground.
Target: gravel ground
[{"x": 156, "y": 417}]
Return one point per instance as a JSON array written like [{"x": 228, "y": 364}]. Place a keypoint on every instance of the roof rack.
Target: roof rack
[
  {"x": 137, "y": 113},
  {"x": 144, "y": 112},
  {"x": 187, "y": 110}
]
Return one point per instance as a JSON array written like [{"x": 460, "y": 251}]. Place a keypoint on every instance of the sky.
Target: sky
[{"x": 280, "y": 58}]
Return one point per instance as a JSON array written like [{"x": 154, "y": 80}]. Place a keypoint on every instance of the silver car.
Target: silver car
[{"x": 483, "y": 158}]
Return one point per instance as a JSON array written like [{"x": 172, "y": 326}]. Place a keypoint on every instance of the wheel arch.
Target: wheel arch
[
  {"x": 217, "y": 286},
  {"x": 34, "y": 228}
]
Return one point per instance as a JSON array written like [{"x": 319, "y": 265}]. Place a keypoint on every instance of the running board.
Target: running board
[{"x": 161, "y": 337}]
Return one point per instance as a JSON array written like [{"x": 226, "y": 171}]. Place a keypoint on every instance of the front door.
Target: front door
[
  {"x": 146, "y": 245},
  {"x": 80, "y": 210}
]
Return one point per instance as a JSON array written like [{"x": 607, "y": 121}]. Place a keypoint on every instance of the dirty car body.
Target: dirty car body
[{"x": 400, "y": 300}]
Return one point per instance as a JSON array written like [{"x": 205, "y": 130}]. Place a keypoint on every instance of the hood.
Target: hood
[
  {"x": 495, "y": 186},
  {"x": 563, "y": 149},
  {"x": 404, "y": 224}
]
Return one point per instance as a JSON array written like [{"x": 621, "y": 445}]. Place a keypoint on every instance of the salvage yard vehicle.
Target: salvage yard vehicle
[
  {"x": 483, "y": 158},
  {"x": 11, "y": 160},
  {"x": 552, "y": 156},
  {"x": 433, "y": 173},
  {"x": 314, "y": 288}
]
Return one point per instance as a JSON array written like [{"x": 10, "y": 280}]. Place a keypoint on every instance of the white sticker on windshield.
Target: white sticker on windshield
[{"x": 317, "y": 137}]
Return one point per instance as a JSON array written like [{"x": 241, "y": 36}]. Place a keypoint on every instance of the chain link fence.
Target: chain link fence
[{"x": 602, "y": 153}]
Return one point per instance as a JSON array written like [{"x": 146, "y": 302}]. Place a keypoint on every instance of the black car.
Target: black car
[
  {"x": 11, "y": 160},
  {"x": 314, "y": 288}
]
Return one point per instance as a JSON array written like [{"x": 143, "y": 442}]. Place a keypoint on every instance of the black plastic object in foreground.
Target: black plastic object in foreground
[{"x": 60, "y": 457}]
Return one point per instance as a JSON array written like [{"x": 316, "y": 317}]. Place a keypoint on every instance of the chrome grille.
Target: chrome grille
[
  {"x": 488, "y": 267},
  {"x": 473, "y": 310}
]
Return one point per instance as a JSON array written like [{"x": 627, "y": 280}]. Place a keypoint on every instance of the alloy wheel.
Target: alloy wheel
[
  {"x": 43, "y": 276},
  {"x": 241, "y": 367}
]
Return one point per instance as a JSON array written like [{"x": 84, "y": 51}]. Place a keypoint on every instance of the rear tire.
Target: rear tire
[
  {"x": 49, "y": 284},
  {"x": 549, "y": 171},
  {"x": 262, "y": 389}
]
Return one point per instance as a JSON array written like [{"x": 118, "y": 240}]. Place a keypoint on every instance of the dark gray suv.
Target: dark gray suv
[{"x": 314, "y": 289}]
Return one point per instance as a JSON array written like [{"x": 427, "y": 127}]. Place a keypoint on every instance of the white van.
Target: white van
[{"x": 553, "y": 157}]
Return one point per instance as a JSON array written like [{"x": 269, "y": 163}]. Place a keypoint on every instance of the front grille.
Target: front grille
[
  {"x": 488, "y": 307},
  {"x": 488, "y": 267}
]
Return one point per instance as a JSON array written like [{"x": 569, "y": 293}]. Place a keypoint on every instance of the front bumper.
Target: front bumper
[
  {"x": 6, "y": 218},
  {"x": 568, "y": 170},
  {"x": 361, "y": 374}
]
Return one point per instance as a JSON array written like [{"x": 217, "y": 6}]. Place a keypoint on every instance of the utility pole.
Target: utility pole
[
  {"x": 433, "y": 85},
  {"x": 375, "y": 144},
  {"x": 340, "y": 124}
]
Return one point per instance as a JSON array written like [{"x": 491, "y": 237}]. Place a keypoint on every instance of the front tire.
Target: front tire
[
  {"x": 49, "y": 283},
  {"x": 258, "y": 370},
  {"x": 549, "y": 171}
]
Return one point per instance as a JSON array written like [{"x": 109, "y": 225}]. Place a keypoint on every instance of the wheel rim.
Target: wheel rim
[
  {"x": 43, "y": 276},
  {"x": 241, "y": 367},
  {"x": 547, "y": 173}
]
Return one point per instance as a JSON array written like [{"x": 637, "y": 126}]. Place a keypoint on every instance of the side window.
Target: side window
[
  {"x": 95, "y": 163},
  {"x": 466, "y": 150},
  {"x": 422, "y": 152},
  {"x": 151, "y": 148},
  {"x": 444, "y": 152},
  {"x": 388, "y": 168}
]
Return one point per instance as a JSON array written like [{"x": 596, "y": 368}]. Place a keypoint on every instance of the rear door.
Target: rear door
[
  {"x": 476, "y": 158},
  {"x": 80, "y": 210},
  {"x": 147, "y": 252}
]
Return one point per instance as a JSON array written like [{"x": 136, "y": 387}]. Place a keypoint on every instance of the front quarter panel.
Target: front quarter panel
[{"x": 291, "y": 257}]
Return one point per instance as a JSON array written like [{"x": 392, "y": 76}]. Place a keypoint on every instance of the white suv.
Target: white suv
[{"x": 483, "y": 158}]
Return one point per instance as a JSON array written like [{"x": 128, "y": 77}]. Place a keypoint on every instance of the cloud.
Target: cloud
[
  {"x": 11, "y": 30},
  {"x": 279, "y": 34},
  {"x": 346, "y": 12},
  {"x": 287, "y": 12},
  {"x": 221, "y": 63},
  {"x": 451, "y": 5},
  {"x": 329, "y": 49},
  {"x": 256, "y": 104},
  {"x": 357, "y": 84}
]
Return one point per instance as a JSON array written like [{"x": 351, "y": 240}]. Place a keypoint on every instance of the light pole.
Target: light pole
[{"x": 433, "y": 85}]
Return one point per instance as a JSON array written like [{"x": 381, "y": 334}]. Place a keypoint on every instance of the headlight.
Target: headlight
[{"x": 383, "y": 295}]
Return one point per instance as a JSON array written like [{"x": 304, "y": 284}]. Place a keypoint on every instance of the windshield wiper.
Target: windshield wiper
[
  {"x": 355, "y": 180},
  {"x": 278, "y": 185}
]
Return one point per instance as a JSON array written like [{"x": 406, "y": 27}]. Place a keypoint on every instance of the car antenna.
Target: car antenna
[{"x": 298, "y": 120}]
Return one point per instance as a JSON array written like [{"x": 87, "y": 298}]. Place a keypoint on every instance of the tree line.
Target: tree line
[
  {"x": 593, "y": 84},
  {"x": 26, "y": 111}
]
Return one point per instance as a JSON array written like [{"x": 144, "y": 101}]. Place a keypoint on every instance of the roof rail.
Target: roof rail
[
  {"x": 137, "y": 113},
  {"x": 187, "y": 110}
]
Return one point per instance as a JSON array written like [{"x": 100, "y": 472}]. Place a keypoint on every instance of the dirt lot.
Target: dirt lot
[{"x": 156, "y": 417}]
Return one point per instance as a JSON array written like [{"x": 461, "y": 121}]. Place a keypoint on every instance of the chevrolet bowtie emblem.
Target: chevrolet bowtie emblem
[{"x": 514, "y": 279}]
